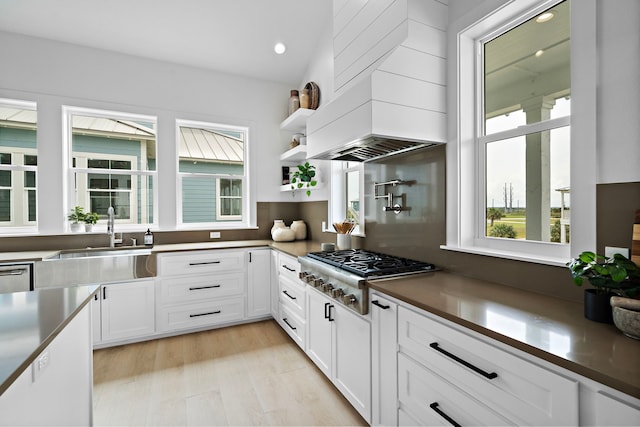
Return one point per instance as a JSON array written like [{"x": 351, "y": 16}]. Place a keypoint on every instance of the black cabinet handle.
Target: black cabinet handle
[
  {"x": 284, "y": 319},
  {"x": 104, "y": 292},
  {"x": 204, "y": 263},
  {"x": 287, "y": 294},
  {"x": 326, "y": 306},
  {"x": 205, "y": 314},
  {"x": 286, "y": 267},
  {"x": 377, "y": 303},
  {"x": 95, "y": 297},
  {"x": 197, "y": 288},
  {"x": 330, "y": 318},
  {"x": 488, "y": 375},
  {"x": 249, "y": 256},
  {"x": 440, "y": 412}
]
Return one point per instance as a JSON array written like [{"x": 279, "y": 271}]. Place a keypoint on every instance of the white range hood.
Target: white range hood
[{"x": 395, "y": 104}]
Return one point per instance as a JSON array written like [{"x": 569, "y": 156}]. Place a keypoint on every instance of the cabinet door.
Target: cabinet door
[
  {"x": 384, "y": 360},
  {"x": 128, "y": 310},
  {"x": 274, "y": 284},
  {"x": 96, "y": 318},
  {"x": 319, "y": 331},
  {"x": 352, "y": 358},
  {"x": 259, "y": 283}
]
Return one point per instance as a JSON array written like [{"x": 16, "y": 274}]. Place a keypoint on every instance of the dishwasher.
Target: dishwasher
[{"x": 16, "y": 277}]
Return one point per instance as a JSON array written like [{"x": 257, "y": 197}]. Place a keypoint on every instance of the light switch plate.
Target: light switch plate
[
  {"x": 609, "y": 251},
  {"x": 39, "y": 365},
  {"x": 214, "y": 235}
]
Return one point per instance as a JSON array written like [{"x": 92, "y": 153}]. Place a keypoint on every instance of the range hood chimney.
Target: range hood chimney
[{"x": 390, "y": 75}]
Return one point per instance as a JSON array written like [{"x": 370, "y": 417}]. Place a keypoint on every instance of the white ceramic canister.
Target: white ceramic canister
[
  {"x": 343, "y": 241},
  {"x": 300, "y": 229},
  {"x": 277, "y": 223},
  {"x": 284, "y": 234}
]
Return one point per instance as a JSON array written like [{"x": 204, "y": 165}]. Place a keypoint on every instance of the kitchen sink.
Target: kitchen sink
[
  {"x": 100, "y": 252},
  {"x": 95, "y": 265}
]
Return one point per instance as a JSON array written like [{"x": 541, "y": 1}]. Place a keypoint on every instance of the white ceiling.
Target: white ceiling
[{"x": 233, "y": 36}]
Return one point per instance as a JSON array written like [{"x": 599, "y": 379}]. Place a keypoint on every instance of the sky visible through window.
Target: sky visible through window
[{"x": 505, "y": 164}]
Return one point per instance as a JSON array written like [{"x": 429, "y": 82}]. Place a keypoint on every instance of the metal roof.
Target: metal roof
[{"x": 208, "y": 145}]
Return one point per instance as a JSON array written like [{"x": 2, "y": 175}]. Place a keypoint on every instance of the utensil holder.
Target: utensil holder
[{"x": 343, "y": 241}]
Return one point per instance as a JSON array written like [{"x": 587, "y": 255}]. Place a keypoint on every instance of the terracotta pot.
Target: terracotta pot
[{"x": 597, "y": 306}]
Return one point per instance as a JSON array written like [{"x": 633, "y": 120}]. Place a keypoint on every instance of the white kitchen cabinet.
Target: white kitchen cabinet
[
  {"x": 127, "y": 310},
  {"x": 274, "y": 284},
  {"x": 56, "y": 388},
  {"x": 259, "y": 283},
  {"x": 291, "y": 294},
  {"x": 96, "y": 318},
  {"x": 521, "y": 391},
  {"x": 203, "y": 288},
  {"x": 384, "y": 360},
  {"x": 339, "y": 343}
]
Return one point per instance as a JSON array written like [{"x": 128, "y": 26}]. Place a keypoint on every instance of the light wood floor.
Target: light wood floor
[{"x": 250, "y": 374}]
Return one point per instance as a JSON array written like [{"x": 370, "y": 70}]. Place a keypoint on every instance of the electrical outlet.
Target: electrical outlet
[
  {"x": 39, "y": 365},
  {"x": 214, "y": 235},
  {"x": 609, "y": 251}
]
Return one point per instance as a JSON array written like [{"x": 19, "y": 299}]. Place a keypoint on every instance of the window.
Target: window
[
  {"x": 347, "y": 194},
  {"x": 508, "y": 188},
  {"x": 18, "y": 166},
  {"x": 524, "y": 155},
  {"x": 113, "y": 158},
  {"x": 212, "y": 174}
]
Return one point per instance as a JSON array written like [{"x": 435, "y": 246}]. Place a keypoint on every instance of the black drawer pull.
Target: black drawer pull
[
  {"x": 377, "y": 303},
  {"x": 326, "y": 306},
  {"x": 205, "y": 314},
  {"x": 488, "y": 375},
  {"x": 287, "y": 294},
  {"x": 440, "y": 412},
  {"x": 204, "y": 263},
  {"x": 197, "y": 288},
  {"x": 330, "y": 318},
  {"x": 284, "y": 319},
  {"x": 286, "y": 267}
]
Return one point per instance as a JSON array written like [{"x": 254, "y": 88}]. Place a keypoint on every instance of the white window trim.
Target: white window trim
[
  {"x": 248, "y": 220},
  {"x": 462, "y": 151},
  {"x": 69, "y": 189},
  {"x": 338, "y": 200}
]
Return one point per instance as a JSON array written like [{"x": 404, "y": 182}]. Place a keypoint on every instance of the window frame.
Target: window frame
[
  {"x": 219, "y": 215},
  {"x": 18, "y": 176},
  {"x": 70, "y": 188},
  {"x": 244, "y": 221},
  {"x": 338, "y": 200},
  {"x": 465, "y": 195}
]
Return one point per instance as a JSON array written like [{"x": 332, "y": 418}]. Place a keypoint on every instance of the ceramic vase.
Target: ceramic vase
[
  {"x": 343, "y": 241},
  {"x": 277, "y": 223},
  {"x": 300, "y": 228}
]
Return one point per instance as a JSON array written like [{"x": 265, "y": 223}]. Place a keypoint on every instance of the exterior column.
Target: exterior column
[{"x": 538, "y": 180}]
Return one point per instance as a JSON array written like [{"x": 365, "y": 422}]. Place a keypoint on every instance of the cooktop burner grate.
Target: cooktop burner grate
[{"x": 371, "y": 264}]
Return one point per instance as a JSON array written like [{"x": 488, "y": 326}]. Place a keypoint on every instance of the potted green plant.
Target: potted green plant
[
  {"x": 610, "y": 276},
  {"x": 76, "y": 216},
  {"x": 304, "y": 177},
  {"x": 90, "y": 219}
]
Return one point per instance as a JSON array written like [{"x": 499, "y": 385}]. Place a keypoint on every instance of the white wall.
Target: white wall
[{"x": 55, "y": 74}]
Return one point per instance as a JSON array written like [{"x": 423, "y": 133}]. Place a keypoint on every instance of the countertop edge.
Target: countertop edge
[{"x": 45, "y": 343}]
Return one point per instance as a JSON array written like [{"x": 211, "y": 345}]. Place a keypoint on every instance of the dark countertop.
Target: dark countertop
[
  {"x": 549, "y": 328},
  {"x": 29, "y": 321}
]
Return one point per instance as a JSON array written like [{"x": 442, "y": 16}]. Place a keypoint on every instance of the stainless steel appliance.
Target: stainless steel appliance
[
  {"x": 16, "y": 277},
  {"x": 343, "y": 274}
]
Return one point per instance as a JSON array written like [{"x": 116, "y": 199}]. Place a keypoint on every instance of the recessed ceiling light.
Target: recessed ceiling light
[
  {"x": 539, "y": 53},
  {"x": 279, "y": 48},
  {"x": 545, "y": 16}
]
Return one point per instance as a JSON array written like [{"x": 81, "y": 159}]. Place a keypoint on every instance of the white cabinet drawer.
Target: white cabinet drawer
[
  {"x": 196, "y": 288},
  {"x": 200, "y": 262},
  {"x": 292, "y": 296},
  {"x": 517, "y": 389},
  {"x": 293, "y": 325},
  {"x": 430, "y": 399},
  {"x": 288, "y": 266},
  {"x": 186, "y": 316}
]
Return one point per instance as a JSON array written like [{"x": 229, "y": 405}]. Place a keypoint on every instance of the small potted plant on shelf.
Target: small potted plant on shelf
[
  {"x": 76, "y": 216},
  {"x": 304, "y": 177},
  {"x": 610, "y": 276},
  {"x": 90, "y": 219}
]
